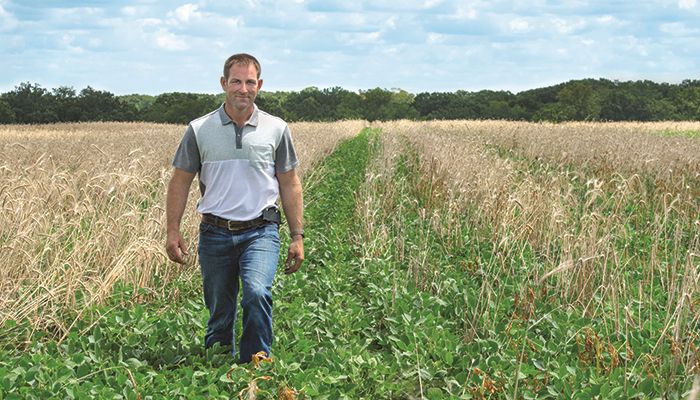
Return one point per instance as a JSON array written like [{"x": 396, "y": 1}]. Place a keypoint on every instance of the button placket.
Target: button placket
[{"x": 239, "y": 136}]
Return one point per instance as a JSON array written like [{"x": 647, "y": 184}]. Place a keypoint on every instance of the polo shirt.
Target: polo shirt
[{"x": 236, "y": 165}]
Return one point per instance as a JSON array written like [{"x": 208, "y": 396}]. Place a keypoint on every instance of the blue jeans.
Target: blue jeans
[{"x": 225, "y": 257}]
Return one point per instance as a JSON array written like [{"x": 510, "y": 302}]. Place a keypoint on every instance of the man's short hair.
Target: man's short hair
[{"x": 242, "y": 59}]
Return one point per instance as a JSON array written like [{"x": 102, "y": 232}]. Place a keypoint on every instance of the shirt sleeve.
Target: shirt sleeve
[
  {"x": 187, "y": 154},
  {"x": 285, "y": 155}
]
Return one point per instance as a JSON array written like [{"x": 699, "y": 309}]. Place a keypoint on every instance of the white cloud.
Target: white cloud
[
  {"x": 187, "y": 12},
  {"x": 435, "y": 38},
  {"x": 145, "y": 22},
  {"x": 519, "y": 25},
  {"x": 475, "y": 44},
  {"x": 465, "y": 13},
  {"x": 566, "y": 27},
  {"x": 391, "y": 51},
  {"x": 606, "y": 19},
  {"x": 687, "y": 4},
  {"x": 677, "y": 29},
  {"x": 169, "y": 41},
  {"x": 129, "y": 11},
  {"x": 95, "y": 42},
  {"x": 8, "y": 21},
  {"x": 253, "y": 3},
  {"x": 75, "y": 14},
  {"x": 67, "y": 41},
  {"x": 318, "y": 18},
  {"x": 234, "y": 22},
  {"x": 431, "y": 3},
  {"x": 356, "y": 19},
  {"x": 360, "y": 38},
  {"x": 636, "y": 46}
]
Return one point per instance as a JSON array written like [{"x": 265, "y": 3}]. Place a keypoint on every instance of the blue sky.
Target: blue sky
[{"x": 154, "y": 46}]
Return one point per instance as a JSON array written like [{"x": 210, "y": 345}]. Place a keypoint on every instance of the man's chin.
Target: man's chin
[{"x": 242, "y": 104}]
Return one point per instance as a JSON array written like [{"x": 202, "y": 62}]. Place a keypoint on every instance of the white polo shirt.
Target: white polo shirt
[{"x": 236, "y": 165}]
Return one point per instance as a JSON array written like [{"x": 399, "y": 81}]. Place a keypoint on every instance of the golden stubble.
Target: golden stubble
[
  {"x": 82, "y": 207},
  {"x": 527, "y": 179},
  {"x": 578, "y": 195}
]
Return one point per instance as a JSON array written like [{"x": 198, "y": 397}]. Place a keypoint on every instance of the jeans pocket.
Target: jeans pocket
[
  {"x": 205, "y": 228},
  {"x": 271, "y": 231}
]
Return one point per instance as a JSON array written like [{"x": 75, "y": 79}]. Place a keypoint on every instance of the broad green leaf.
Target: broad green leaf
[
  {"x": 434, "y": 393},
  {"x": 538, "y": 365},
  {"x": 647, "y": 385}
]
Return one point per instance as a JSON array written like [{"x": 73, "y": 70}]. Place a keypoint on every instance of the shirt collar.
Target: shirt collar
[{"x": 225, "y": 119}]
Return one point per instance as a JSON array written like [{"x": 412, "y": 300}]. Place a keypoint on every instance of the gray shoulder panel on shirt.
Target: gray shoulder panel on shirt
[{"x": 187, "y": 154}]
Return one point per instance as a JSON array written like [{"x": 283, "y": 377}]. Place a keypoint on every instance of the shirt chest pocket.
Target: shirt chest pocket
[{"x": 260, "y": 156}]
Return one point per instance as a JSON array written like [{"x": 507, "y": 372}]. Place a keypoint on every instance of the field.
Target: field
[{"x": 445, "y": 259}]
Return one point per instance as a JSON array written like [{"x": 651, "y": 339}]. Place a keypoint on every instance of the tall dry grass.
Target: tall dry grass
[
  {"x": 610, "y": 212},
  {"x": 82, "y": 208}
]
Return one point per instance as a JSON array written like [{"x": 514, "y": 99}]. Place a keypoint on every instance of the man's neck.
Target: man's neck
[{"x": 238, "y": 117}]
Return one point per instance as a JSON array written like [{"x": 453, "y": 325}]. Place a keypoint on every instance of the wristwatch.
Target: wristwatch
[{"x": 294, "y": 233}]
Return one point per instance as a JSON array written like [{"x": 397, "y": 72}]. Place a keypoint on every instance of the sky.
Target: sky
[{"x": 159, "y": 46}]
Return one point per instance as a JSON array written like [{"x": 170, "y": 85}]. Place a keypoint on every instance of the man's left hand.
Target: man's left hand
[{"x": 295, "y": 255}]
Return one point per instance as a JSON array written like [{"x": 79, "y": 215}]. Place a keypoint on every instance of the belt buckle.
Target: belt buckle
[{"x": 231, "y": 225}]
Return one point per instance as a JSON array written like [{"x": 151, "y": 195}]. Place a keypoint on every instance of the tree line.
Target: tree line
[{"x": 576, "y": 100}]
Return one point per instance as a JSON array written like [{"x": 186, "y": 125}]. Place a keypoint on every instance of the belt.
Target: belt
[{"x": 232, "y": 225}]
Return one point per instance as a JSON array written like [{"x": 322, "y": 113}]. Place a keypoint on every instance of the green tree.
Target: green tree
[
  {"x": 180, "y": 108},
  {"x": 99, "y": 105},
  {"x": 7, "y": 115},
  {"x": 31, "y": 104},
  {"x": 580, "y": 98},
  {"x": 382, "y": 104},
  {"x": 273, "y": 103},
  {"x": 140, "y": 102},
  {"x": 338, "y": 103},
  {"x": 531, "y": 101},
  {"x": 309, "y": 109},
  {"x": 400, "y": 106},
  {"x": 554, "y": 112},
  {"x": 298, "y": 108},
  {"x": 686, "y": 98},
  {"x": 349, "y": 104},
  {"x": 373, "y": 101},
  {"x": 433, "y": 105},
  {"x": 66, "y": 101}
]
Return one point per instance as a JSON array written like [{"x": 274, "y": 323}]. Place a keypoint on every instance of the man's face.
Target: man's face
[{"x": 242, "y": 86}]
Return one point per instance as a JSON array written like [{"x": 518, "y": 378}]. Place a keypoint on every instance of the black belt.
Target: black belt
[{"x": 232, "y": 225}]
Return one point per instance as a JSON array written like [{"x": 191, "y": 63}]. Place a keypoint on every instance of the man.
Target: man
[{"x": 245, "y": 160}]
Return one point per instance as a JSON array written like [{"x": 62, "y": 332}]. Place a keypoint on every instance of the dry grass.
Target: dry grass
[
  {"x": 602, "y": 207},
  {"x": 82, "y": 208}
]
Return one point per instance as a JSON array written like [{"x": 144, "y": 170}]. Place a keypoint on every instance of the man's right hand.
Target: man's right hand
[
  {"x": 176, "y": 248},
  {"x": 175, "y": 203}
]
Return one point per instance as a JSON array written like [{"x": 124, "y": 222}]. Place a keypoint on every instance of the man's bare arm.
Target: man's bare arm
[
  {"x": 176, "y": 201},
  {"x": 293, "y": 206}
]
